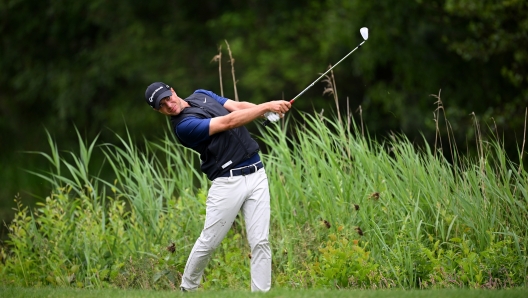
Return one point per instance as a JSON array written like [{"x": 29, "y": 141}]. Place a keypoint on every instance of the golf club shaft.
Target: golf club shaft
[{"x": 317, "y": 80}]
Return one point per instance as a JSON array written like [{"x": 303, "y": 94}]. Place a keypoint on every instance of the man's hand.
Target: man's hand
[
  {"x": 279, "y": 106},
  {"x": 276, "y": 110}
]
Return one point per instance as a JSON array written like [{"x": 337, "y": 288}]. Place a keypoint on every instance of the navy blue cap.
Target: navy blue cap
[{"x": 156, "y": 92}]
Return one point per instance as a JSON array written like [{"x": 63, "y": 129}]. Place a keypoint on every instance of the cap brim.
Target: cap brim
[{"x": 160, "y": 97}]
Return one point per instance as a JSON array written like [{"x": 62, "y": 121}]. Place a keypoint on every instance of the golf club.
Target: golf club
[{"x": 364, "y": 34}]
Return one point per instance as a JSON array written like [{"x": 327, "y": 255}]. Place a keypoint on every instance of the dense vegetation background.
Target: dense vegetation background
[{"x": 86, "y": 64}]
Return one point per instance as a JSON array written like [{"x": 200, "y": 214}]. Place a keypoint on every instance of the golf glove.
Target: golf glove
[{"x": 272, "y": 117}]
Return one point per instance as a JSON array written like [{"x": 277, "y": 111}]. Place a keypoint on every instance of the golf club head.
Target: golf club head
[{"x": 364, "y": 32}]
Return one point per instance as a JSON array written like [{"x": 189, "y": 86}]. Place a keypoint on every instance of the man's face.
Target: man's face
[{"x": 171, "y": 106}]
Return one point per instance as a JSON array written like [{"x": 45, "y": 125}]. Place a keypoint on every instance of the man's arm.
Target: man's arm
[
  {"x": 232, "y": 105},
  {"x": 243, "y": 116}
]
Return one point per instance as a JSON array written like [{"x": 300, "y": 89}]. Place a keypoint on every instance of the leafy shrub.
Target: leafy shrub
[
  {"x": 344, "y": 263},
  {"x": 71, "y": 241}
]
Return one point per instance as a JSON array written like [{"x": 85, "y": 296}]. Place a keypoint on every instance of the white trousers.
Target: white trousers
[{"x": 226, "y": 197}]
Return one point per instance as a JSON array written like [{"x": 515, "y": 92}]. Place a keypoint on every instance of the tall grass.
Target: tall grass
[
  {"x": 411, "y": 204},
  {"x": 347, "y": 212}
]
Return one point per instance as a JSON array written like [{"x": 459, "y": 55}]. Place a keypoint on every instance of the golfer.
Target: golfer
[{"x": 213, "y": 126}]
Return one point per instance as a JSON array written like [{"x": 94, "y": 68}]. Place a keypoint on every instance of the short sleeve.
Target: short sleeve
[{"x": 193, "y": 131}]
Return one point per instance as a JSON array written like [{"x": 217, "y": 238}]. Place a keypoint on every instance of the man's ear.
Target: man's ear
[{"x": 174, "y": 91}]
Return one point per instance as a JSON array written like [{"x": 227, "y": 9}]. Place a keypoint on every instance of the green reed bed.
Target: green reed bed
[
  {"x": 421, "y": 221},
  {"x": 347, "y": 212}
]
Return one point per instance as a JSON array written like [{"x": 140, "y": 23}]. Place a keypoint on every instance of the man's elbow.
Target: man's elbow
[
  {"x": 220, "y": 124},
  {"x": 228, "y": 124}
]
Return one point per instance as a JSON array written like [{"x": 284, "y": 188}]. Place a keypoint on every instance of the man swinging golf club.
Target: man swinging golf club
[{"x": 214, "y": 127}]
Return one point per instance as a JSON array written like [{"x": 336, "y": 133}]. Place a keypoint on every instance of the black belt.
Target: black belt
[{"x": 243, "y": 170}]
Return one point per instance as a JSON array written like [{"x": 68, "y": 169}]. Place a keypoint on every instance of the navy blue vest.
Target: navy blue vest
[{"x": 224, "y": 150}]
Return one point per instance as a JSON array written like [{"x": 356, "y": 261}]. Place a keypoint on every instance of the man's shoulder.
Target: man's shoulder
[
  {"x": 191, "y": 111},
  {"x": 188, "y": 114},
  {"x": 200, "y": 93}
]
